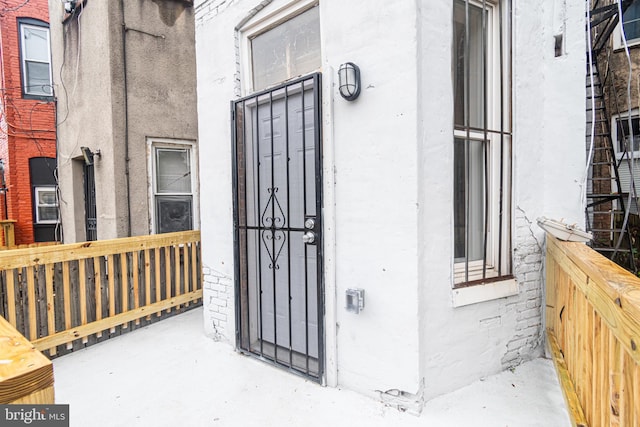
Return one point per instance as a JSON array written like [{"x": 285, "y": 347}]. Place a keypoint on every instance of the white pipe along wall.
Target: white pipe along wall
[{"x": 388, "y": 187}]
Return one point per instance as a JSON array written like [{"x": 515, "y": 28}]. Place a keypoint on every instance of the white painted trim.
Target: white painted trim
[
  {"x": 617, "y": 39},
  {"x": 635, "y": 113},
  {"x": 329, "y": 231},
  {"x": 36, "y": 192},
  {"x": 151, "y": 167},
  {"x": 485, "y": 292}
]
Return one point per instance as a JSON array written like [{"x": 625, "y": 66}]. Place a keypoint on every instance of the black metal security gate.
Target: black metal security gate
[
  {"x": 90, "y": 212},
  {"x": 278, "y": 225}
]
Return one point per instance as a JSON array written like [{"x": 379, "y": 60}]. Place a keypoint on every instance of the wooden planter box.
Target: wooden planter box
[{"x": 26, "y": 375}]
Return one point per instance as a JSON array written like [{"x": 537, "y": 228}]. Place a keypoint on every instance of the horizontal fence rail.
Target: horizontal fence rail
[
  {"x": 67, "y": 296},
  {"x": 593, "y": 329}
]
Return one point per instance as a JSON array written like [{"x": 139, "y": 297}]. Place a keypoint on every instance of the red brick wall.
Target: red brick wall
[{"x": 27, "y": 126}]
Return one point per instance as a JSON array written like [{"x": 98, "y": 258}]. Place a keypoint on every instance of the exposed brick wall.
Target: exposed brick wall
[
  {"x": 208, "y": 9},
  {"x": 217, "y": 297},
  {"x": 528, "y": 265},
  {"x": 27, "y": 127}
]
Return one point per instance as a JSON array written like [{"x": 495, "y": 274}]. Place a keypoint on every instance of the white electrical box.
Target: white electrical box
[{"x": 355, "y": 300}]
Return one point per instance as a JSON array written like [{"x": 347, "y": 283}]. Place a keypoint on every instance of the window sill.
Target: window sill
[
  {"x": 45, "y": 98},
  {"x": 632, "y": 44},
  {"x": 619, "y": 155},
  {"x": 484, "y": 292}
]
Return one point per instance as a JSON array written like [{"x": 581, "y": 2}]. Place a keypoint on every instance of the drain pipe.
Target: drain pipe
[{"x": 126, "y": 117}]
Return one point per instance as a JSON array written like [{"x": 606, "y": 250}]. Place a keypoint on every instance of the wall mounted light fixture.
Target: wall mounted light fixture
[
  {"x": 69, "y": 5},
  {"x": 88, "y": 155},
  {"x": 349, "y": 81}
]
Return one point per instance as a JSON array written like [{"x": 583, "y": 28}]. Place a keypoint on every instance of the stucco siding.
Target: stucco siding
[
  {"x": 388, "y": 183},
  {"x": 160, "y": 102}
]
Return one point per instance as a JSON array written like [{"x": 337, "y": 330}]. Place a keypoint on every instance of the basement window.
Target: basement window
[{"x": 481, "y": 142}]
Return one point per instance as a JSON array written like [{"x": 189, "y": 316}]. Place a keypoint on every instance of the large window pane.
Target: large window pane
[
  {"x": 48, "y": 213},
  {"x": 469, "y": 176},
  {"x": 173, "y": 171},
  {"x": 36, "y": 44},
  {"x": 473, "y": 62},
  {"x": 173, "y": 213},
  {"x": 291, "y": 49},
  {"x": 38, "y": 78},
  {"x": 631, "y": 20}
]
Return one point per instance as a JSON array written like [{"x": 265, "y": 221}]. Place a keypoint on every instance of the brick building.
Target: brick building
[
  {"x": 27, "y": 124},
  {"x": 129, "y": 69}
]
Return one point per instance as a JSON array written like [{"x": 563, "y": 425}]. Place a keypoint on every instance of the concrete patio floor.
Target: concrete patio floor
[{"x": 170, "y": 374}]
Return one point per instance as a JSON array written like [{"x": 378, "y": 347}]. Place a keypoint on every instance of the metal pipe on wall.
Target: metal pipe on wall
[{"x": 126, "y": 117}]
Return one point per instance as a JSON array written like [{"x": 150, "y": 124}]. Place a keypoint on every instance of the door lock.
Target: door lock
[
  {"x": 309, "y": 223},
  {"x": 309, "y": 237}
]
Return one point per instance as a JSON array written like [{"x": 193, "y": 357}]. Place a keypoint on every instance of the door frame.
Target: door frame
[{"x": 317, "y": 88}]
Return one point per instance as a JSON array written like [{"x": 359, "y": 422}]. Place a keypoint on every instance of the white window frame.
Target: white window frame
[
  {"x": 164, "y": 143},
  {"x": 635, "y": 114},
  {"x": 617, "y": 38},
  {"x": 476, "y": 268},
  {"x": 36, "y": 192},
  {"x": 23, "y": 58},
  {"x": 261, "y": 25}
]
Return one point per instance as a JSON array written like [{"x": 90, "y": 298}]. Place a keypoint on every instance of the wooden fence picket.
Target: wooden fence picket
[{"x": 66, "y": 296}]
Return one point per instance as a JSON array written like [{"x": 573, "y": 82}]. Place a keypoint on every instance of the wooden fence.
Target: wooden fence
[
  {"x": 67, "y": 296},
  {"x": 26, "y": 375},
  {"x": 593, "y": 330}
]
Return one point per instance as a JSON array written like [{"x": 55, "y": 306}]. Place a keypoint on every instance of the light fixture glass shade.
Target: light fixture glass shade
[
  {"x": 69, "y": 5},
  {"x": 88, "y": 155},
  {"x": 349, "y": 81}
]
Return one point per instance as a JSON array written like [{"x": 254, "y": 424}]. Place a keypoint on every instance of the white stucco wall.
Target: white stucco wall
[
  {"x": 465, "y": 343},
  {"x": 388, "y": 186},
  {"x": 376, "y": 193}
]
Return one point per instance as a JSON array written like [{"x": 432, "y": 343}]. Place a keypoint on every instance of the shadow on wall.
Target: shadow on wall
[{"x": 170, "y": 11}]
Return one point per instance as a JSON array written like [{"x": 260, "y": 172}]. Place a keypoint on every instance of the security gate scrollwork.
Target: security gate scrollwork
[{"x": 278, "y": 222}]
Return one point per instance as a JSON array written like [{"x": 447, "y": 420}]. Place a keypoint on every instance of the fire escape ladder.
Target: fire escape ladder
[{"x": 606, "y": 198}]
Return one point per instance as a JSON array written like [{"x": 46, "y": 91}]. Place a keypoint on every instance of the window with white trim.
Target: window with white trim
[
  {"x": 46, "y": 205},
  {"x": 627, "y": 148},
  {"x": 173, "y": 187},
  {"x": 482, "y": 141},
  {"x": 622, "y": 137},
  {"x": 631, "y": 23},
  {"x": 35, "y": 56},
  {"x": 284, "y": 49}
]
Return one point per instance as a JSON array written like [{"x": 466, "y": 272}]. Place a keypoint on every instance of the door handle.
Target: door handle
[{"x": 309, "y": 237}]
